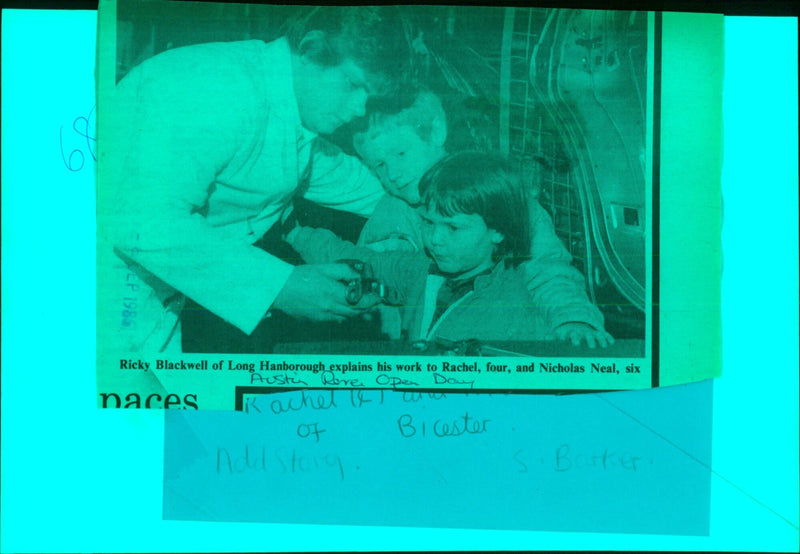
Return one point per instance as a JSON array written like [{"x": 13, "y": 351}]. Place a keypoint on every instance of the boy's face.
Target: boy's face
[
  {"x": 461, "y": 244},
  {"x": 328, "y": 97},
  {"x": 399, "y": 157}
]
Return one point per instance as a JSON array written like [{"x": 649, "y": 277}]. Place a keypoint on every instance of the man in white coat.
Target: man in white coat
[{"x": 202, "y": 150}]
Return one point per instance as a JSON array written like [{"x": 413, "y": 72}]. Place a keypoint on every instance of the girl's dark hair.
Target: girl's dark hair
[
  {"x": 374, "y": 37},
  {"x": 482, "y": 183}
]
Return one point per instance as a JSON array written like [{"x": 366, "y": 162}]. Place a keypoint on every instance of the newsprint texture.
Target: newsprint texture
[{"x": 404, "y": 197}]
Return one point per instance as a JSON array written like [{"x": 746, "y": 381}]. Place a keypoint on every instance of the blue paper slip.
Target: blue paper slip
[{"x": 628, "y": 462}]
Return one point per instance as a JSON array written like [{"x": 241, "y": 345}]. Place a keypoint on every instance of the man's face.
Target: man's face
[
  {"x": 328, "y": 97},
  {"x": 461, "y": 244},
  {"x": 399, "y": 157}
]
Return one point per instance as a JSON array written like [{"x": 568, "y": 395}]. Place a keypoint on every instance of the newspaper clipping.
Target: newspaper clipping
[{"x": 404, "y": 197}]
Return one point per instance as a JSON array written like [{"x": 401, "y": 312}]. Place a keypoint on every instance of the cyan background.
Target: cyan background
[{"x": 76, "y": 478}]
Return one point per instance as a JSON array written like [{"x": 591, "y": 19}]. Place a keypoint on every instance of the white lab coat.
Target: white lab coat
[{"x": 201, "y": 152}]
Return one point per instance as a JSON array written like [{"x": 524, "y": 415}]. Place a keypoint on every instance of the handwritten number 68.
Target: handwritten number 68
[
  {"x": 77, "y": 159},
  {"x": 68, "y": 161}
]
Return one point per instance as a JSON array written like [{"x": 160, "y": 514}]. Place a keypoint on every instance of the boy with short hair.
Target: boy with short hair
[
  {"x": 475, "y": 228},
  {"x": 399, "y": 148}
]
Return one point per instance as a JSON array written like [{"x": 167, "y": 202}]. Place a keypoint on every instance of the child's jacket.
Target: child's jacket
[
  {"x": 555, "y": 285},
  {"x": 499, "y": 308}
]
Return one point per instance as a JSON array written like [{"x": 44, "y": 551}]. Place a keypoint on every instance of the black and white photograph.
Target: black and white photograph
[{"x": 394, "y": 180}]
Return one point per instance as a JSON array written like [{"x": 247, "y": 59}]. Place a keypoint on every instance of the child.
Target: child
[
  {"x": 475, "y": 228},
  {"x": 400, "y": 147}
]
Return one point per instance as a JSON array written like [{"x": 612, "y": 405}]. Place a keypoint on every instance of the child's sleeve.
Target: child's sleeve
[
  {"x": 555, "y": 285},
  {"x": 320, "y": 246},
  {"x": 392, "y": 219},
  {"x": 397, "y": 270}
]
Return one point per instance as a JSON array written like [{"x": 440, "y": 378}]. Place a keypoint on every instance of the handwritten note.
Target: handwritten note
[
  {"x": 628, "y": 462},
  {"x": 78, "y": 144}
]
